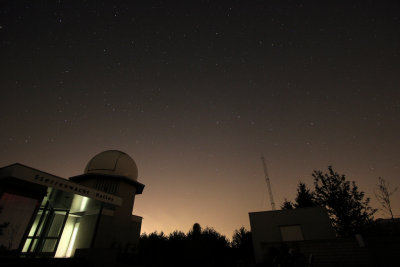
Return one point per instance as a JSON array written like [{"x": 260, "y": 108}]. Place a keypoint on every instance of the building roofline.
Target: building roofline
[
  {"x": 28, "y": 167},
  {"x": 139, "y": 186},
  {"x": 279, "y": 211},
  {"x": 32, "y": 175}
]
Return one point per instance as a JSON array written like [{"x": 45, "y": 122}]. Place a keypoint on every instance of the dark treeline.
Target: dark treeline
[
  {"x": 199, "y": 247},
  {"x": 346, "y": 205}
]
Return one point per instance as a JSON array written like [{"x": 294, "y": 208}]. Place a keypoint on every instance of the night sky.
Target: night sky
[{"x": 195, "y": 93}]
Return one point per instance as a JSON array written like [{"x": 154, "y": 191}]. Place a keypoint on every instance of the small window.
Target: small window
[{"x": 291, "y": 233}]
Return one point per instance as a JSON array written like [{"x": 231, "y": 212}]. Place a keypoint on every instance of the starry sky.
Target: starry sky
[{"x": 196, "y": 92}]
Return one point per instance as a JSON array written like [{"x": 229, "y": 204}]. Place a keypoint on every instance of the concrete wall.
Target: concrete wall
[
  {"x": 117, "y": 228},
  {"x": 122, "y": 189},
  {"x": 87, "y": 227},
  {"x": 265, "y": 226},
  {"x": 127, "y": 193},
  {"x": 114, "y": 232}
]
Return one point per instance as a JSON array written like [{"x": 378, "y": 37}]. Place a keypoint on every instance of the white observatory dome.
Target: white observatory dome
[{"x": 113, "y": 162}]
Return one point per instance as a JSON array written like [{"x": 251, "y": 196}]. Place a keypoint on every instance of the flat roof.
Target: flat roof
[{"x": 31, "y": 175}]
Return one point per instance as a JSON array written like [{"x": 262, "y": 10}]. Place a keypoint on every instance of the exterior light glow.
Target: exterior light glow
[
  {"x": 72, "y": 241},
  {"x": 84, "y": 203}
]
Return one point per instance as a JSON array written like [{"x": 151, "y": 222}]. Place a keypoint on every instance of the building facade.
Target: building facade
[
  {"x": 272, "y": 228},
  {"x": 43, "y": 215}
]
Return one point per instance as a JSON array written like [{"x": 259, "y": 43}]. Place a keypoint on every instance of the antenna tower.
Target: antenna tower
[{"x": 271, "y": 198}]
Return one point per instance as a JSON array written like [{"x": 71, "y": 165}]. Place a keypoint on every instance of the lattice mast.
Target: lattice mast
[{"x": 271, "y": 198}]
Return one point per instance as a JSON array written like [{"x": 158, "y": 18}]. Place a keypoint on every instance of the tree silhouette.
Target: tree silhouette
[
  {"x": 383, "y": 195},
  {"x": 242, "y": 243},
  {"x": 215, "y": 247},
  {"x": 347, "y": 207},
  {"x": 305, "y": 198},
  {"x": 196, "y": 229},
  {"x": 287, "y": 205},
  {"x": 196, "y": 248},
  {"x": 152, "y": 248}
]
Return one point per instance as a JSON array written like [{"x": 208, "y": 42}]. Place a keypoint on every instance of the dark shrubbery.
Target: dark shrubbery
[{"x": 198, "y": 247}]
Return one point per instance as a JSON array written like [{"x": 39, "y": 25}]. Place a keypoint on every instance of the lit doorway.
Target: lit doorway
[{"x": 46, "y": 231}]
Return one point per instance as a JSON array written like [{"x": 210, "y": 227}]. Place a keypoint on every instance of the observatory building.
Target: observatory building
[{"x": 43, "y": 215}]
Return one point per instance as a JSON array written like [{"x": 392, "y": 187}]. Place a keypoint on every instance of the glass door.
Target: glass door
[{"x": 45, "y": 233}]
